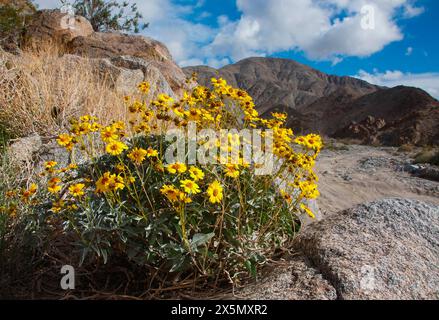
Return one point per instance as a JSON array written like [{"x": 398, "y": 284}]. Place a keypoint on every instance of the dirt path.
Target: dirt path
[{"x": 362, "y": 174}]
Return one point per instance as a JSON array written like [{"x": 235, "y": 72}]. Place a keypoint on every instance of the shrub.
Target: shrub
[
  {"x": 13, "y": 21},
  {"x": 205, "y": 222},
  {"x": 110, "y": 15},
  {"x": 428, "y": 156}
]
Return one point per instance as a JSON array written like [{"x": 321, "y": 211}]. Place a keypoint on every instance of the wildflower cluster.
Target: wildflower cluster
[{"x": 212, "y": 220}]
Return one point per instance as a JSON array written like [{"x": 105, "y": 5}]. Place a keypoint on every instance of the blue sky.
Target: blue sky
[{"x": 386, "y": 42}]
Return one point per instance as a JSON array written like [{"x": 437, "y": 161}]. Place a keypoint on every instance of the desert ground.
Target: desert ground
[{"x": 354, "y": 174}]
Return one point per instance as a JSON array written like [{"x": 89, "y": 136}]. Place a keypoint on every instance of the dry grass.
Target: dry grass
[
  {"x": 406, "y": 148},
  {"x": 41, "y": 91},
  {"x": 428, "y": 155}
]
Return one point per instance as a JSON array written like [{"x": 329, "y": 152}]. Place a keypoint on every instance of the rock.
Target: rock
[
  {"x": 132, "y": 52},
  {"x": 314, "y": 206},
  {"x": 127, "y": 59},
  {"x": 295, "y": 280},
  {"x": 346, "y": 177},
  {"x": 163, "y": 77},
  {"x": 51, "y": 151},
  {"x": 115, "y": 44},
  {"x": 429, "y": 172},
  {"x": 124, "y": 80},
  {"x": 53, "y": 26},
  {"x": 36, "y": 150},
  {"x": 387, "y": 249},
  {"x": 411, "y": 168},
  {"x": 372, "y": 163},
  {"x": 366, "y": 131},
  {"x": 22, "y": 150}
]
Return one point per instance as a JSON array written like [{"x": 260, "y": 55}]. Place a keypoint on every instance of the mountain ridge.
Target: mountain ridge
[{"x": 330, "y": 104}]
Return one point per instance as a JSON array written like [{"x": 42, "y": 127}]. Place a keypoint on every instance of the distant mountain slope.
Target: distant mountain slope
[
  {"x": 281, "y": 82},
  {"x": 333, "y": 105}
]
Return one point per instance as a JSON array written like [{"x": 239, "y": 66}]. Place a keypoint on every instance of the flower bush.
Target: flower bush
[{"x": 206, "y": 221}]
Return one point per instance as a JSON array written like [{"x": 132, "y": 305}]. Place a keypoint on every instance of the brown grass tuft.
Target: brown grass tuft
[{"x": 41, "y": 91}]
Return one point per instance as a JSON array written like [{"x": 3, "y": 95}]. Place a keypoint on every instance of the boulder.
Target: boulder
[
  {"x": 50, "y": 150},
  {"x": 429, "y": 172},
  {"x": 53, "y": 26},
  {"x": 123, "y": 80},
  {"x": 164, "y": 77},
  {"x": 132, "y": 52},
  {"x": 127, "y": 59},
  {"x": 387, "y": 249},
  {"x": 295, "y": 280},
  {"x": 23, "y": 150},
  {"x": 114, "y": 44}
]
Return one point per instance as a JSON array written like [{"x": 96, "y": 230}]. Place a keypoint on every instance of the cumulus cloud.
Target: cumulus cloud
[
  {"x": 324, "y": 30},
  {"x": 427, "y": 81}
]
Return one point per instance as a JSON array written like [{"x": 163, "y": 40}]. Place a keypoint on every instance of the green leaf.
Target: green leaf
[
  {"x": 251, "y": 267},
  {"x": 200, "y": 239}
]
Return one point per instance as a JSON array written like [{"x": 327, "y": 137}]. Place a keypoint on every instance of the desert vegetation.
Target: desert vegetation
[
  {"x": 152, "y": 181},
  {"x": 42, "y": 91},
  {"x": 117, "y": 203}
]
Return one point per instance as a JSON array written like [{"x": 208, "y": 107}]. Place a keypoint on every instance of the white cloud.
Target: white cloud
[
  {"x": 411, "y": 11},
  {"x": 313, "y": 26},
  {"x": 426, "y": 81},
  {"x": 322, "y": 29},
  {"x": 409, "y": 51}
]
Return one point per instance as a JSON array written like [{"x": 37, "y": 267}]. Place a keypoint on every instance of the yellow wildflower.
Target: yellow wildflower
[
  {"x": 54, "y": 188},
  {"x": 144, "y": 87},
  {"x": 196, "y": 173},
  {"x": 232, "y": 170},
  {"x": 57, "y": 206},
  {"x": 279, "y": 116},
  {"x": 287, "y": 197},
  {"x": 77, "y": 190},
  {"x": 307, "y": 210},
  {"x": 29, "y": 192},
  {"x": 177, "y": 167},
  {"x": 215, "y": 192},
  {"x": 109, "y": 134},
  {"x": 64, "y": 140},
  {"x": 138, "y": 155},
  {"x": 116, "y": 183},
  {"x": 170, "y": 192},
  {"x": 50, "y": 165},
  {"x": 116, "y": 148},
  {"x": 151, "y": 153},
  {"x": 190, "y": 186},
  {"x": 184, "y": 198},
  {"x": 102, "y": 185}
]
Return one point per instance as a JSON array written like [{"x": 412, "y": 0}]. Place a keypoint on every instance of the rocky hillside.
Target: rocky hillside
[
  {"x": 282, "y": 83},
  {"x": 127, "y": 59},
  {"x": 342, "y": 107}
]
